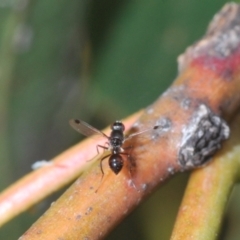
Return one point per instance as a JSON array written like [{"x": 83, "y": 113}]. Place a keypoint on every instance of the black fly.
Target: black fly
[{"x": 114, "y": 141}]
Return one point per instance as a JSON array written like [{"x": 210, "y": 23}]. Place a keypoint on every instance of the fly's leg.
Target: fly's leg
[
  {"x": 126, "y": 148},
  {"x": 131, "y": 165},
  {"x": 97, "y": 147},
  {"x": 131, "y": 171},
  {"x": 103, "y": 147},
  {"x": 102, "y": 170},
  {"x": 101, "y": 165}
]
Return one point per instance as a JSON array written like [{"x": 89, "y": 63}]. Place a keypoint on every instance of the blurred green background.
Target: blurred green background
[{"x": 98, "y": 61}]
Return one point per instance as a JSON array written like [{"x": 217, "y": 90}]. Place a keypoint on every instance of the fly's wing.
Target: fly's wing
[
  {"x": 85, "y": 129},
  {"x": 140, "y": 132}
]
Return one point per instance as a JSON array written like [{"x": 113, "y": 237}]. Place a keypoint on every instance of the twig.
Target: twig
[
  {"x": 42, "y": 182},
  {"x": 203, "y": 206},
  {"x": 190, "y": 132}
]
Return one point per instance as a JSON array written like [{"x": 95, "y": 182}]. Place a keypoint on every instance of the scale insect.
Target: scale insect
[{"x": 114, "y": 141}]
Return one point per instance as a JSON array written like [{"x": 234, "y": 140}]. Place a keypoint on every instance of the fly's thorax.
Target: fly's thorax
[{"x": 116, "y": 139}]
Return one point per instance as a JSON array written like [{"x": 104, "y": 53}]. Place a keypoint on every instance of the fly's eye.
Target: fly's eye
[{"x": 118, "y": 126}]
